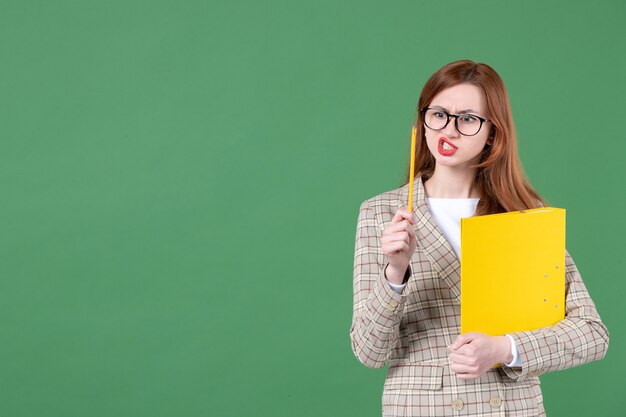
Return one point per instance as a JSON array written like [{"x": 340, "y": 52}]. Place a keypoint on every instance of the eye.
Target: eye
[
  {"x": 440, "y": 115},
  {"x": 468, "y": 118}
]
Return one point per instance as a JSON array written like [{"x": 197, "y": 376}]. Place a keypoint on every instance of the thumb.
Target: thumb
[{"x": 463, "y": 339}]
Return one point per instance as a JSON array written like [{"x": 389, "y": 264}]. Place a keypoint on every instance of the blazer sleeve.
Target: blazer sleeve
[
  {"x": 579, "y": 338},
  {"x": 377, "y": 309}
]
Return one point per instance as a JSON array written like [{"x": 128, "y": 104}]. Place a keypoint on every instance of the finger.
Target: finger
[
  {"x": 398, "y": 237},
  {"x": 462, "y": 359},
  {"x": 463, "y": 369},
  {"x": 403, "y": 213},
  {"x": 463, "y": 339},
  {"x": 410, "y": 216},
  {"x": 394, "y": 248},
  {"x": 402, "y": 226},
  {"x": 468, "y": 349}
]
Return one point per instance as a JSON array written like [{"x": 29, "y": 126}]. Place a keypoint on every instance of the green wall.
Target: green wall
[{"x": 180, "y": 183}]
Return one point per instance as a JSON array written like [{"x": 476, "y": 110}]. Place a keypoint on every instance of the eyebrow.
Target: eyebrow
[{"x": 460, "y": 111}]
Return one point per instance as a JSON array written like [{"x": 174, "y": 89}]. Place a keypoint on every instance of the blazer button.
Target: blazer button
[
  {"x": 391, "y": 305},
  {"x": 457, "y": 404},
  {"x": 495, "y": 401}
]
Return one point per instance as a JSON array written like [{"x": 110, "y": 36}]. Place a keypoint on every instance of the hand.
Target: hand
[
  {"x": 398, "y": 244},
  {"x": 473, "y": 354}
]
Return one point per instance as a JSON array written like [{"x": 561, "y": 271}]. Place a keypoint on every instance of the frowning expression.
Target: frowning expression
[{"x": 449, "y": 147}]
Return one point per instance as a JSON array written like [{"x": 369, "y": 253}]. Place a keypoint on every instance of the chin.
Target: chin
[{"x": 447, "y": 162}]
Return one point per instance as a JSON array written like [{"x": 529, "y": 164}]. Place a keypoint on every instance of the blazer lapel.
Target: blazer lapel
[{"x": 432, "y": 242}]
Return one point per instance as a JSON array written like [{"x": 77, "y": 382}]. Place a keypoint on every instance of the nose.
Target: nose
[{"x": 450, "y": 130}]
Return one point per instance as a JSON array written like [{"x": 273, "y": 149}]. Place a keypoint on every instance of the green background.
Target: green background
[{"x": 180, "y": 183}]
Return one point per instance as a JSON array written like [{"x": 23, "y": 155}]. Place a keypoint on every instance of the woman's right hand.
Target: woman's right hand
[{"x": 398, "y": 244}]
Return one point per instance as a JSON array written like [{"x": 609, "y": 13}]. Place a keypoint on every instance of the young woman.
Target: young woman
[{"x": 407, "y": 268}]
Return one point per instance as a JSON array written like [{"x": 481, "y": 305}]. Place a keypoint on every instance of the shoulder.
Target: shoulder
[{"x": 387, "y": 203}]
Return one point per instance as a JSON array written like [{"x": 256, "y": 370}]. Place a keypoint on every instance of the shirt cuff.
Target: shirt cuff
[
  {"x": 397, "y": 287},
  {"x": 517, "y": 360}
]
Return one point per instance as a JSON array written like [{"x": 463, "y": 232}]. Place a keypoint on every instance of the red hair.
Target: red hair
[{"x": 500, "y": 179}]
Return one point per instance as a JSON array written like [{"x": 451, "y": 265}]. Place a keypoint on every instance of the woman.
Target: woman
[{"x": 407, "y": 269}]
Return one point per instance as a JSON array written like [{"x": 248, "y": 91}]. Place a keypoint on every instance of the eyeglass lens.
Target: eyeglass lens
[{"x": 466, "y": 124}]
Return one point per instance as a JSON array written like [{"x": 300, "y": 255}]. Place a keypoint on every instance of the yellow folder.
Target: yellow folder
[{"x": 512, "y": 271}]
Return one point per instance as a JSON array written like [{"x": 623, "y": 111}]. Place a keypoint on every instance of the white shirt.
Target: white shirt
[{"x": 447, "y": 213}]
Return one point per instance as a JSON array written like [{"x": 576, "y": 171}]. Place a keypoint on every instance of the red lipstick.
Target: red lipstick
[{"x": 451, "y": 149}]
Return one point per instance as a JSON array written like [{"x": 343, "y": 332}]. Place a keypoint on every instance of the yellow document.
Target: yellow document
[{"x": 512, "y": 271}]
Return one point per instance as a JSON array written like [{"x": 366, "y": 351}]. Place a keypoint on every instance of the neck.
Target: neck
[{"x": 451, "y": 183}]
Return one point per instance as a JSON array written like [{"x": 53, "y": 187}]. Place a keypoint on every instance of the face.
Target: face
[{"x": 448, "y": 146}]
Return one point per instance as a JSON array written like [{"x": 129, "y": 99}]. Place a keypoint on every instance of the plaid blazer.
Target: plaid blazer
[{"x": 410, "y": 331}]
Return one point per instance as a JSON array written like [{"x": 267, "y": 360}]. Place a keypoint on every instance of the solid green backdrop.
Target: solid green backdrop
[{"x": 181, "y": 181}]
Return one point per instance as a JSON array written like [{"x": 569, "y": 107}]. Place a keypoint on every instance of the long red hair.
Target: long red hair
[{"x": 500, "y": 179}]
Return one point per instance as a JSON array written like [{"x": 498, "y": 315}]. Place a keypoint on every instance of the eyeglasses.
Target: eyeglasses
[{"x": 466, "y": 124}]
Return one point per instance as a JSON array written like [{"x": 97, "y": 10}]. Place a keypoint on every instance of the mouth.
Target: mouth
[{"x": 446, "y": 148}]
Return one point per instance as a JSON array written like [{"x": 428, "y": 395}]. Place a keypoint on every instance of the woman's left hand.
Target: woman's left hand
[{"x": 473, "y": 354}]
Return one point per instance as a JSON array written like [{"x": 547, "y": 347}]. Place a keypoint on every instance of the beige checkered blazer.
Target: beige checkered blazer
[{"x": 410, "y": 331}]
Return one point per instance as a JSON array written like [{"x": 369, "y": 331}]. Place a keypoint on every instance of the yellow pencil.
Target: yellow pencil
[{"x": 412, "y": 169}]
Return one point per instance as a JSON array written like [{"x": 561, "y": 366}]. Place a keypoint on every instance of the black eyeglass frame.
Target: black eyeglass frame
[{"x": 456, "y": 120}]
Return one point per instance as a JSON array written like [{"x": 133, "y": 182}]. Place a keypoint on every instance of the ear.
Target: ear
[{"x": 491, "y": 137}]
